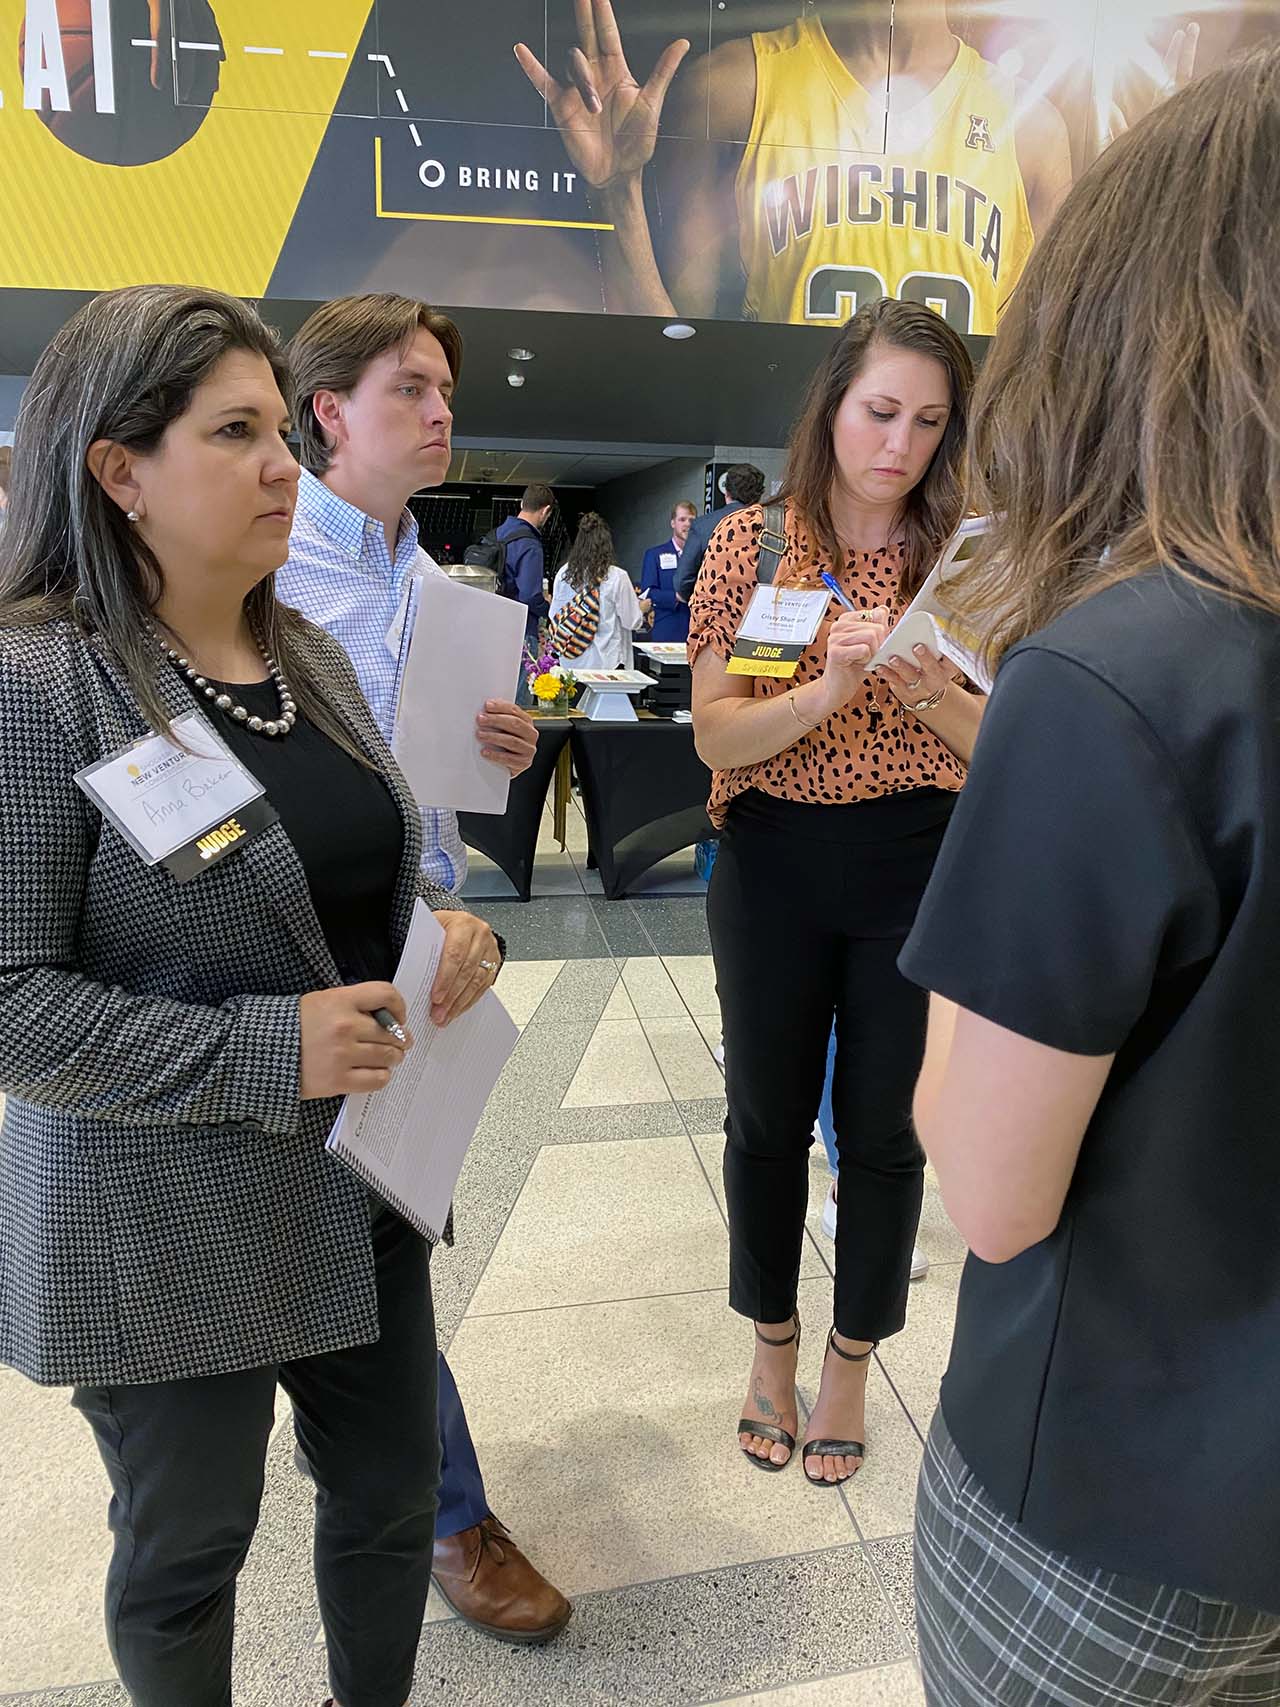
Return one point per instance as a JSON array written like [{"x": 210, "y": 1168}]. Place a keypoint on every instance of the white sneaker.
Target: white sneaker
[
  {"x": 919, "y": 1261},
  {"x": 717, "y": 1054}
]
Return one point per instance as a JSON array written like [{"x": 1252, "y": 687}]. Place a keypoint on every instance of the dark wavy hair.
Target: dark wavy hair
[
  {"x": 591, "y": 555},
  {"x": 1129, "y": 412},
  {"x": 933, "y": 509},
  {"x": 124, "y": 368}
]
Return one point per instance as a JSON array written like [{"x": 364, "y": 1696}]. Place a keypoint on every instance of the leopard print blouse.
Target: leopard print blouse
[{"x": 874, "y": 745}]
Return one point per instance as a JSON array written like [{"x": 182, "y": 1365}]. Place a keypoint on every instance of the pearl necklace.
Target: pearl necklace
[{"x": 224, "y": 702}]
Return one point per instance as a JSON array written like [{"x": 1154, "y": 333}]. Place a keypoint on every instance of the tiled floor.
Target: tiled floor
[{"x": 585, "y": 1313}]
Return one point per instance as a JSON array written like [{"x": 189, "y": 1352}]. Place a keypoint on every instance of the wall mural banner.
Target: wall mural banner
[{"x": 762, "y": 159}]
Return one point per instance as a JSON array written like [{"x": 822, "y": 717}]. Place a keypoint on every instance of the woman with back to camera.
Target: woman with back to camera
[
  {"x": 595, "y": 610},
  {"x": 174, "y": 1237},
  {"x": 833, "y": 791},
  {"x": 1099, "y": 1507}
]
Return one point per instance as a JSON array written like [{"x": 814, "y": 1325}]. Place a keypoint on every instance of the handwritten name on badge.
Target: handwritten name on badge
[{"x": 165, "y": 793}]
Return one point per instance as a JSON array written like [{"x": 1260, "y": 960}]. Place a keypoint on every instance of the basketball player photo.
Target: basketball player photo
[{"x": 848, "y": 161}]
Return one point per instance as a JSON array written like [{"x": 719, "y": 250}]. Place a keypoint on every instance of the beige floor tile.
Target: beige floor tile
[
  {"x": 575, "y": 830},
  {"x": 652, "y": 993},
  {"x": 878, "y": 1686},
  {"x": 695, "y": 978},
  {"x": 883, "y": 1493},
  {"x": 685, "y": 1058},
  {"x": 618, "y": 1066},
  {"x": 523, "y": 984},
  {"x": 917, "y": 1357},
  {"x": 54, "y": 1544},
  {"x": 709, "y": 1026},
  {"x": 607, "y": 1431},
  {"x": 710, "y": 1148},
  {"x": 597, "y": 1221},
  {"x": 619, "y": 1005}
]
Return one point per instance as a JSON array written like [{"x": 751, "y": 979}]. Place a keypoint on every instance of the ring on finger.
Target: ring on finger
[
  {"x": 910, "y": 687},
  {"x": 488, "y": 966}
]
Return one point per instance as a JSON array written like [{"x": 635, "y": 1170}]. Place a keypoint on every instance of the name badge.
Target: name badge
[
  {"x": 780, "y": 623},
  {"x": 185, "y": 810},
  {"x": 667, "y": 560}
]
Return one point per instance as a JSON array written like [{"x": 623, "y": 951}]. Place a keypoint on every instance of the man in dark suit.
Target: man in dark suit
[{"x": 741, "y": 485}]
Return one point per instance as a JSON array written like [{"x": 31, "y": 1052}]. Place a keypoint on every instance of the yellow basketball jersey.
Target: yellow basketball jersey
[{"x": 829, "y": 221}]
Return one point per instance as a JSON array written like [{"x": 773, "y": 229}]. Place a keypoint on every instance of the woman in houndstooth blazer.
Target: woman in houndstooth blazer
[{"x": 174, "y": 1238}]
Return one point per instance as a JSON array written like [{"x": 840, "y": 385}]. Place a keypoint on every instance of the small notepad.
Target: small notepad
[{"x": 408, "y": 1142}]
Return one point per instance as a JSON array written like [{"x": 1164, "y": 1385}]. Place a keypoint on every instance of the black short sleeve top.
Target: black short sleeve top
[{"x": 1110, "y": 882}]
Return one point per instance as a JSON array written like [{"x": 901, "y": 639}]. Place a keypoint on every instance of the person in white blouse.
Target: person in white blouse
[{"x": 590, "y": 570}]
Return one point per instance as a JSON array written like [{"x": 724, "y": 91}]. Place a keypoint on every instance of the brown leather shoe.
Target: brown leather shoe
[{"x": 490, "y": 1584}]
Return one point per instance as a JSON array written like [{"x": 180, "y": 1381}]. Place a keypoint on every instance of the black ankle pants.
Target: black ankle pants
[{"x": 808, "y": 909}]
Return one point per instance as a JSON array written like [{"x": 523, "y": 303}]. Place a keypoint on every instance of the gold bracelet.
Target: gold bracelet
[
  {"x": 791, "y": 701},
  {"x": 932, "y": 701}
]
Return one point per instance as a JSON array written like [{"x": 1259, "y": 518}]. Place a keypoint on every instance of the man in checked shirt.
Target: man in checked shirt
[{"x": 374, "y": 382}]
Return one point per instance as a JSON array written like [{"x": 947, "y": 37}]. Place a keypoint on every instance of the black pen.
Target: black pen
[{"x": 388, "y": 1021}]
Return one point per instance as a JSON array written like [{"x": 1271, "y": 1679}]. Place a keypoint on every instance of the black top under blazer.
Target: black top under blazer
[{"x": 167, "y": 1206}]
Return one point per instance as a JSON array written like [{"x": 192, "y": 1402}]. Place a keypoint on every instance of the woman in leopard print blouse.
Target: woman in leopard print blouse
[{"x": 832, "y": 792}]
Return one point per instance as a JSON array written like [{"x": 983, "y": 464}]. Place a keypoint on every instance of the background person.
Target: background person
[
  {"x": 658, "y": 578},
  {"x": 172, "y": 1053},
  {"x": 375, "y": 378},
  {"x": 1097, "y": 1507},
  {"x": 740, "y": 485},
  {"x": 592, "y": 589},
  {"x": 525, "y": 568},
  {"x": 833, "y": 793}
]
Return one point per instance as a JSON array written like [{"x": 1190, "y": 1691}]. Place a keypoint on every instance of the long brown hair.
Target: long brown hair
[
  {"x": 933, "y": 508},
  {"x": 1129, "y": 412},
  {"x": 591, "y": 555},
  {"x": 124, "y": 368}
]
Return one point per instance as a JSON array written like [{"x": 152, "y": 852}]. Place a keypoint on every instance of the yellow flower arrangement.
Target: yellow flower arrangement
[{"x": 546, "y": 686}]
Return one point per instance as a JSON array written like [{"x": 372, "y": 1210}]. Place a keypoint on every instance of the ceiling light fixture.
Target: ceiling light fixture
[
  {"x": 520, "y": 354},
  {"x": 679, "y": 329},
  {"x": 515, "y": 380}
]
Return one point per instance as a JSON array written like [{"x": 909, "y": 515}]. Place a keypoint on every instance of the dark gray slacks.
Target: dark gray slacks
[{"x": 186, "y": 1462}]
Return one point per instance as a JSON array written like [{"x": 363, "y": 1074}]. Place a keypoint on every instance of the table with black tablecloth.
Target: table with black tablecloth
[{"x": 644, "y": 794}]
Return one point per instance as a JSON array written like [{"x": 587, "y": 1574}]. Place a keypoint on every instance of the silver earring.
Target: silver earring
[{"x": 133, "y": 516}]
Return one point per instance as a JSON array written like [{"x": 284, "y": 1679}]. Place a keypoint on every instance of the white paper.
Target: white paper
[
  {"x": 408, "y": 1141},
  {"x": 465, "y": 649},
  {"x": 929, "y": 621},
  {"x": 161, "y": 797}
]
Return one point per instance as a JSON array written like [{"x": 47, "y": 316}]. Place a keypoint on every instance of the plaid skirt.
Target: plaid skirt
[{"x": 1005, "y": 1622}]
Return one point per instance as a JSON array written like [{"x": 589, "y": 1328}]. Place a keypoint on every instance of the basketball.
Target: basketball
[
  {"x": 76, "y": 31},
  {"x": 148, "y": 123}
]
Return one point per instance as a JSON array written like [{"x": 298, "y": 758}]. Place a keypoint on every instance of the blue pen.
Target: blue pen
[{"x": 832, "y": 585}]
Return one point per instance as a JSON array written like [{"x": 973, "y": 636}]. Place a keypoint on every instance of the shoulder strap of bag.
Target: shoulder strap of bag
[{"x": 773, "y": 543}]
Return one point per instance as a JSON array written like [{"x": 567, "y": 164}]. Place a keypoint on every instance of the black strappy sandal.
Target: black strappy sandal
[
  {"x": 770, "y": 1431},
  {"x": 836, "y": 1448}
]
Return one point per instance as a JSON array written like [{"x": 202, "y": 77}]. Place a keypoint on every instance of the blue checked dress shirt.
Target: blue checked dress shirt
[{"x": 340, "y": 575}]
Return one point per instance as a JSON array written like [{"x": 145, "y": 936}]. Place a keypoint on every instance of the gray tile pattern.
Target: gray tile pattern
[
  {"x": 891, "y": 1562},
  {"x": 585, "y": 927},
  {"x": 688, "y": 1639}
]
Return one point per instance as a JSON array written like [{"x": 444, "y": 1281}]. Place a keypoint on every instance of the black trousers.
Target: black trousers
[
  {"x": 808, "y": 909},
  {"x": 186, "y": 1461}
]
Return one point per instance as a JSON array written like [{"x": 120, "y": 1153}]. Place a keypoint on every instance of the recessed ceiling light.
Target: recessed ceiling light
[
  {"x": 679, "y": 329},
  {"x": 520, "y": 354}
]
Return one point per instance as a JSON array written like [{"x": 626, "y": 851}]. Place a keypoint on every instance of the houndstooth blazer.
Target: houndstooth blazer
[{"x": 167, "y": 1207}]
